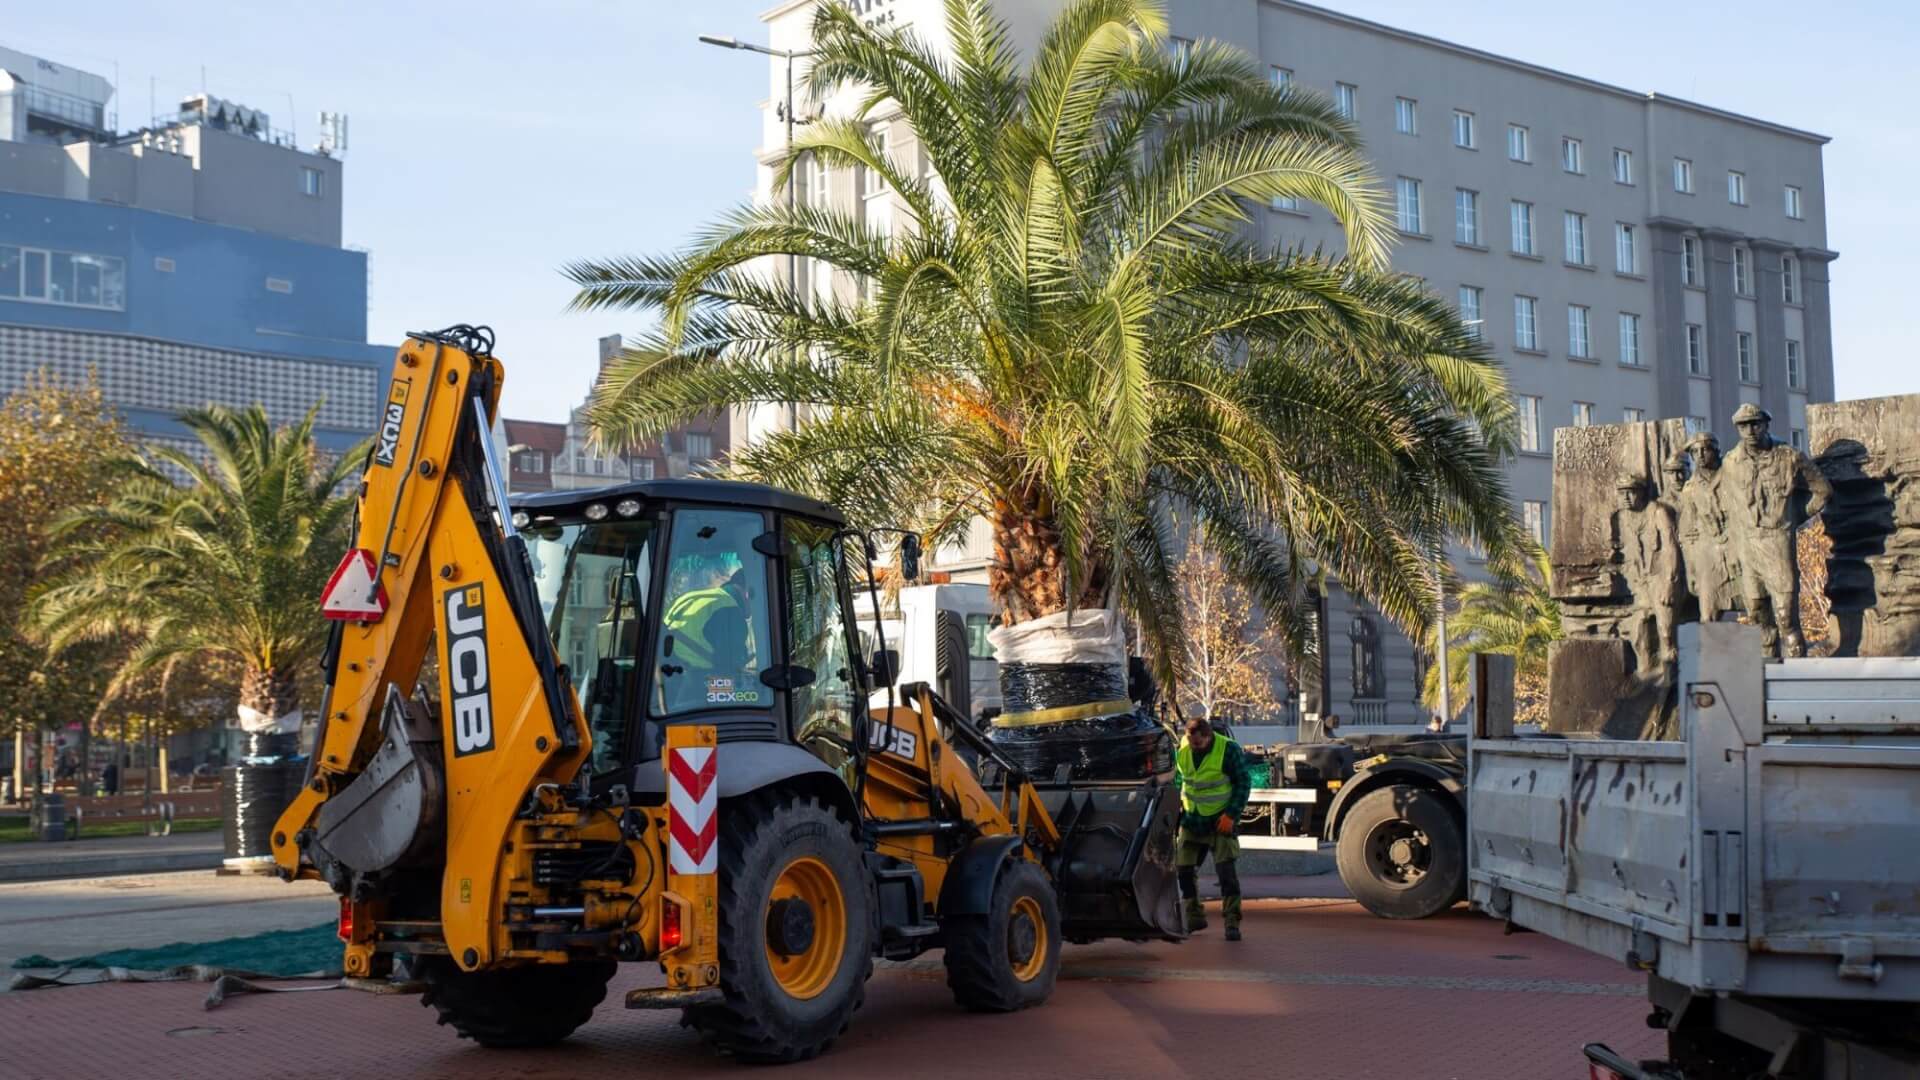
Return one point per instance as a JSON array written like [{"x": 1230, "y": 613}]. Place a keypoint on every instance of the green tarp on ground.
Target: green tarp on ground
[{"x": 276, "y": 952}]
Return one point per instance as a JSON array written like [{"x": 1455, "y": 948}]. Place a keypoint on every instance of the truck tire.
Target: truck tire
[
  {"x": 1009, "y": 958},
  {"x": 1401, "y": 853},
  {"x": 532, "y": 1005},
  {"x": 796, "y": 930}
]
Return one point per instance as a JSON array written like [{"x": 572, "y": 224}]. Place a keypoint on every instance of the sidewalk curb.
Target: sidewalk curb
[{"x": 108, "y": 865}]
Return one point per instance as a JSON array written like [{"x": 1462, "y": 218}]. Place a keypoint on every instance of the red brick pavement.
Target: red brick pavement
[{"x": 1318, "y": 990}]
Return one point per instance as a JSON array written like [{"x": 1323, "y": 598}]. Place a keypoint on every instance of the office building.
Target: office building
[
  {"x": 1626, "y": 255},
  {"x": 195, "y": 260}
]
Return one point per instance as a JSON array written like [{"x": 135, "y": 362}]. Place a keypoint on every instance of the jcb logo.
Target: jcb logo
[
  {"x": 903, "y": 744},
  {"x": 469, "y": 697},
  {"x": 388, "y": 446}
]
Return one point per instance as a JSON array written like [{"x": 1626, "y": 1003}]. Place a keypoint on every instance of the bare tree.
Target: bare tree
[{"x": 1232, "y": 654}]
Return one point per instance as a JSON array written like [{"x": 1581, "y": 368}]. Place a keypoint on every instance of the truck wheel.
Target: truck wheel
[
  {"x": 1008, "y": 958},
  {"x": 533, "y": 1005},
  {"x": 796, "y": 936},
  {"x": 1401, "y": 854}
]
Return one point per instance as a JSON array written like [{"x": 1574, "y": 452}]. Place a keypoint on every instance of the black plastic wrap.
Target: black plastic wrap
[
  {"x": 252, "y": 797},
  {"x": 1127, "y": 745},
  {"x": 1032, "y": 687}
]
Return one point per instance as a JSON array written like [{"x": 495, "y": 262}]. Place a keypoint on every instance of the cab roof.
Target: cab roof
[{"x": 708, "y": 492}]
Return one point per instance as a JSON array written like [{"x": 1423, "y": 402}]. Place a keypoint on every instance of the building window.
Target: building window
[
  {"x": 1463, "y": 129},
  {"x": 875, "y": 183},
  {"x": 1526, "y": 327},
  {"x": 1789, "y": 279},
  {"x": 817, "y": 174},
  {"x": 1793, "y": 202},
  {"x": 1579, "y": 340},
  {"x": 1690, "y": 261},
  {"x": 1629, "y": 339},
  {"x": 312, "y": 181},
  {"x": 1583, "y": 414},
  {"x": 63, "y": 277},
  {"x": 1576, "y": 238},
  {"x": 1796, "y": 371},
  {"x": 1631, "y": 415},
  {"x": 1697, "y": 425},
  {"x": 1343, "y": 99},
  {"x": 1683, "y": 176},
  {"x": 1743, "y": 352},
  {"x": 699, "y": 445},
  {"x": 1626, "y": 258},
  {"x": 1743, "y": 271},
  {"x": 1517, "y": 148},
  {"x": 1282, "y": 77},
  {"x": 1522, "y": 214},
  {"x": 642, "y": 468},
  {"x": 1736, "y": 188},
  {"x": 1798, "y": 437},
  {"x": 1623, "y": 166},
  {"x": 1289, "y": 203},
  {"x": 1529, "y": 423},
  {"x": 1466, "y": 216},
  {"x": 1182, "y": 49},
  {"x": 531, "y": 461},
  {"x": 1696, "y": 349},
  {"x": 1409, "y": 205},
  {"x": 1535, "y": 513},
  {"x": 1470, "y": 296},
  {"x": 1406, "y": 116},
  {"x": 1571, "y": 158}
]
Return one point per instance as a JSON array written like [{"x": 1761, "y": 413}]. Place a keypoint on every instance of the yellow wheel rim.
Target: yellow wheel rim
[
  {"x": 1027, "y": 939},
  {"x": 806, "y": 927}
]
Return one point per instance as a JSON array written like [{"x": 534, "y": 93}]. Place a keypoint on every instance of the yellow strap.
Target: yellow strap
[{"x": 1062, "y": 714}]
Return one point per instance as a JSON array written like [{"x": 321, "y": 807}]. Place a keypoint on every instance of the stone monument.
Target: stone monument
[
  {"x": 1705, "y": 544},
  {"x": 1762, "y": 477},
  {"x": 1869, "y": 450}
]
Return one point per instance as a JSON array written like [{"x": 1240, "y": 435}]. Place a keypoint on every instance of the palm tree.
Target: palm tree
[
  {"x": 1075, "y": 340},
  {"x": 1514, "y": 615},
  {"x": 228, "y": 566}
]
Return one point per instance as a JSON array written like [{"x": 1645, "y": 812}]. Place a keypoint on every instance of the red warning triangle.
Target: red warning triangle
[{"x": 354, "y": 591}]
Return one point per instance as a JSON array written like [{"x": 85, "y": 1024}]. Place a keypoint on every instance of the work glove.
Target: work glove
[{"x": 1225, "y": 825}]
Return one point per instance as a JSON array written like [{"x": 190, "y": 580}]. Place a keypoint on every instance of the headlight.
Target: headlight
[
  {"x": 627, "y": 507},
  {"x": 597, "y": 512},
  {"x": 520, "y": 519}
]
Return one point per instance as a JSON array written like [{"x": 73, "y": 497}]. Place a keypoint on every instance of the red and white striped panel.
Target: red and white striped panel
[{"x": 692, "y": 797}]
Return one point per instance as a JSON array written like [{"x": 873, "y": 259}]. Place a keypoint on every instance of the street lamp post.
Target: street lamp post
[{"x": 789, "y": 55}]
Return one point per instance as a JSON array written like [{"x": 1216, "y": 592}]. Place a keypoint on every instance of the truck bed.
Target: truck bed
[{"x": 1774, "y": 851}]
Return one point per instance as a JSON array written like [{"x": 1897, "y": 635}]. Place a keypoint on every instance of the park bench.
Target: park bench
[{"x": 159, "y": 812}]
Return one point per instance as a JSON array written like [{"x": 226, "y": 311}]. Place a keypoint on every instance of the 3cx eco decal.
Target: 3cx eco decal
[
  {"x": 388, "y": 444},
  {"x": 721, "y": 691},
  {"x": 469, "y": 697}
]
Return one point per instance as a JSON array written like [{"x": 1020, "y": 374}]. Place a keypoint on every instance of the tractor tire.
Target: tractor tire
[
  {"x": 532, "y": 1005},
  {"x": 1009, "y": 958},
  {"x": 1402, "y": 854},
  {"x": 796, "y": 930}
]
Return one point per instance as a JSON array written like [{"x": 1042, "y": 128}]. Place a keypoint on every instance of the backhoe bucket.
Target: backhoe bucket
[{"x": 1114, "y": 872}]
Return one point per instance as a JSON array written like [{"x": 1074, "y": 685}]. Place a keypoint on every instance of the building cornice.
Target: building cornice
[{"x": 1650, "y": 98}]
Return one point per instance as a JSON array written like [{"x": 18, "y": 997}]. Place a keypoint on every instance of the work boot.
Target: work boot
[
  {"x": 1196, "y": 916},
  {"x": 1233, "y": 931},
  {"x": 1230, "y": 912}
]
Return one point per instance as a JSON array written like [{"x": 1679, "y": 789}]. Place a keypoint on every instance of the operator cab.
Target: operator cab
[{"x": 696, "y": 601}]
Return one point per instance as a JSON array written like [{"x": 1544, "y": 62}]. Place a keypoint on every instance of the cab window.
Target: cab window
[
  {"x": 714, "y": 634},
  {"x": 823, "y": 708},
  {"x": 594, "y": 582}
]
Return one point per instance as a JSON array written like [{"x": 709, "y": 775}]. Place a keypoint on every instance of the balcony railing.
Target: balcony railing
[
  {"x": 66, "y": 108},
  {"x": 1369, "y": 713}
]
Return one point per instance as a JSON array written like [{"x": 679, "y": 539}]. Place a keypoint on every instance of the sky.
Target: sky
[{"x": 493, "y": 142}]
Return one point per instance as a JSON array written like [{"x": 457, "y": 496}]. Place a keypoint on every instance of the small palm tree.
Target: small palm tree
[
  {"x": 1075, "y": 340},
  {"x": 1514, "y": 615},
  {"x": 226, "y": 566}
]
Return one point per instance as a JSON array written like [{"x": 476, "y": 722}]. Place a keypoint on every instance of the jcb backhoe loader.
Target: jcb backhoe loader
[{"x": 651, "y": 741}]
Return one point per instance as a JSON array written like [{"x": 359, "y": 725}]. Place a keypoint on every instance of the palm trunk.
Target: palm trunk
[
  {"x": 269, "y": 702},
  {"x": 1029, "y": 575}
]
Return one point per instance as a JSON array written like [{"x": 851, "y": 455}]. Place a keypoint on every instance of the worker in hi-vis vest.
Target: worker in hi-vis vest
[
  {"x": 1214, "y": 785},
  {"x": 709, "y": 626}
]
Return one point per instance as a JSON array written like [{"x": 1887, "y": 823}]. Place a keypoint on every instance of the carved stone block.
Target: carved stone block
[{"x": 1869, "y": 449}]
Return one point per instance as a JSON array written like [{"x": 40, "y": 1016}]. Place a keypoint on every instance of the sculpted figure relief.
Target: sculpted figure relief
[
  {"x": 1704, "y": 537},
  {"x": 1762, "y": 475},
  {"x": 1646, "y": 542}
]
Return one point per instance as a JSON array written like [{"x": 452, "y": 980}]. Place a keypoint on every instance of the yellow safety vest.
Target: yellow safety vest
[
  {"x": 1204, "y": 786},
  {"x": 687, "y": 619}
]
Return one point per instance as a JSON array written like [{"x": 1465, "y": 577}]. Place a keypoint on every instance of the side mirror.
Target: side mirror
[
  {"x": 910, "y": 557},
  {"x": 884, "y": 667}
]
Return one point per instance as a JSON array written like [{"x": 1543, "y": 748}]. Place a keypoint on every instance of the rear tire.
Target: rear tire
[
  {"x": 528, "y": 1006},
  {"x": 1009, "y": 958},
  {"x": 1401, "y": 853},
  {"x": 793, "y": 976}
]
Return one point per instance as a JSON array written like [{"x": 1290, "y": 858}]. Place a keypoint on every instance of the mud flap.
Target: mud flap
[{"x": 1115, "y": 870}]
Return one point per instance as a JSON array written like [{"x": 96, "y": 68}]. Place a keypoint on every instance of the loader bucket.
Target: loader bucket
[{"x": 1114, "y": 871}]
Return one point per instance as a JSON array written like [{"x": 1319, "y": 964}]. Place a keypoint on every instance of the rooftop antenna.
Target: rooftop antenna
[{"x": 333, "y": 134}]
